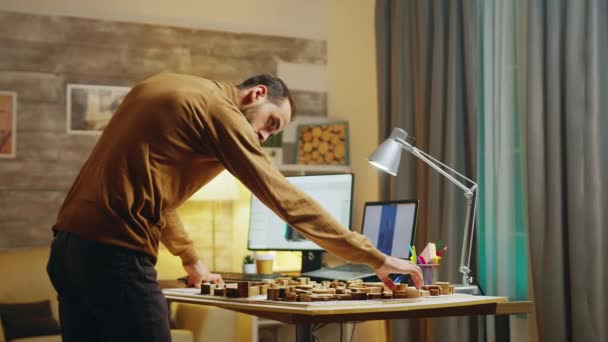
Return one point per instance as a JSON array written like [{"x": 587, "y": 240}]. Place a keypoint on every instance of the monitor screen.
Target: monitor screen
[
  {"x": 391, "y": 226},
  {"x": 269, "y": 232}
]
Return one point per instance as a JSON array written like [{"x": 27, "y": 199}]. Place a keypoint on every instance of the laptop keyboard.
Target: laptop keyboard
[
  {"x": 357, "y": 268},
  {"x": 344, "y": 272},
  {"x": 246, "y": 277}
]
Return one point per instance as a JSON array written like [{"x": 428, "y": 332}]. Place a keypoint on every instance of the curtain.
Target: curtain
[
  {"x": 428, "y": 85},
  {"x": 502, "y": 222},
  {"x": 502, "y": 230},
  {"x": 567, "y": 166}
]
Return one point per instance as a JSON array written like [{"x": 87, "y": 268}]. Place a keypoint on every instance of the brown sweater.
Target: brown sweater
[{"x": 170, "y": 136}]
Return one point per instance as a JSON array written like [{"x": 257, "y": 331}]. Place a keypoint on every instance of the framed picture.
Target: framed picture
[
  {"x": 323, "y": 144},
  {"x": 8, "y": 124},
  {"x": 90, "y": 107}
]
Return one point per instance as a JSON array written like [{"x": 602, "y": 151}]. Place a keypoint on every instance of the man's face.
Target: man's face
[{"x": 265, "y": 117}]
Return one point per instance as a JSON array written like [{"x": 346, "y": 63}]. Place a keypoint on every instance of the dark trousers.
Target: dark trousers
[{"x": 106, "y": 293}]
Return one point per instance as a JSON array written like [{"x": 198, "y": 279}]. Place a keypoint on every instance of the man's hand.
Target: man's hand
[
  {"x": 198, "y": 273},
  {"x": 395, "y": 265}
]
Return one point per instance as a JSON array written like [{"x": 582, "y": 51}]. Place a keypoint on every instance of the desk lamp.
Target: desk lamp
[{"x": 387, "y": 157}]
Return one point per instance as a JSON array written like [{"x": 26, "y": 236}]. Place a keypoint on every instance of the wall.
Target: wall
[
  {"x": 42, "y": 54},
  {"x": 352, "y": 88},
  {"x": 287, "y": 18}
]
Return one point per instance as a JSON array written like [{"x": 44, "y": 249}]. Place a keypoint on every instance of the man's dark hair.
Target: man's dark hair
[{"x": 277, "y": 89}]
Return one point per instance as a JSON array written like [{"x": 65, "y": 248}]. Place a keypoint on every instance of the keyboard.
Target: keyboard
[
  {"x": 343, "y": 272},
  {"x": 235, "y": 276}
]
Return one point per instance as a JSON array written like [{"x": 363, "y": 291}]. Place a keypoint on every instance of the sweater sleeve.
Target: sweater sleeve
[
  {"x": 175, "y": 238},
  {"x": 239, "y": 150}
]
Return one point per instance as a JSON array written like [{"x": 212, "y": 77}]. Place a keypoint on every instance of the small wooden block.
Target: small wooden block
[
  {"x": 387, "y": 295},
  {"x": 402, "y": 287},
  {"x": 207, "y": 288},
  {"x": 413, "y": 292},
  {"x": 435, "y": 292},
  {"x": 344, "y": 297},
  {"x": 253, "y": 291},
  {"x": 324, "y": 291},
  {"x": 220, "y": 292},
  {"x": 304, "y": 287},
  {"x": 400, "y": 294},
  {"x": 452, "y": 289},
  {"x": 232, "y": 292},
  {"x": 374, "y": 296},
  {"x": 424, "y": 293},
  {"x": 306, "y": 298},
  {"x": 230, "y": 285},
  {"x": 264, "y": 288},
  {"x": 303, "y": 280},
  {"x": 290, "y": 297},
  {"x": 375, "y": 289},
  {"x": 317, "y": 298},
  {"x": 272, "y": 294},
  {"x": 243, "y": 288},
  {"x": 359, "y": 295}
]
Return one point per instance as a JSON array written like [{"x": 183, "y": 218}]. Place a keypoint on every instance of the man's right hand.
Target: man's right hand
[{"x": 398, "y": 266}]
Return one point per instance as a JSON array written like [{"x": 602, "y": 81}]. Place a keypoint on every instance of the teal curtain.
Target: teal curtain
[{"x": 502, "y": 242}]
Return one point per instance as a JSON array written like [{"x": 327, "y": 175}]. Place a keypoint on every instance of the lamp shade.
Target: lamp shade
[
  {"x": 387, "y": 156},
  {"x": 221, "y": 188}
]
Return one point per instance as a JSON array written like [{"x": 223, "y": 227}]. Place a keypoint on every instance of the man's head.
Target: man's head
[{"x": 266, "y": 103}]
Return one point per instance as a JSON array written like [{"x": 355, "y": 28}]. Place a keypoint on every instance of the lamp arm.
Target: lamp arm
[
  {"x": 416, "y": 152},
  {"x": 447, "y": 167},
  {"x": 467, "y": 239}
]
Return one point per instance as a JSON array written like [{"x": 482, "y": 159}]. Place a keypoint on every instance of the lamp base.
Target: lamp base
[{"x": 467, "y": 289}]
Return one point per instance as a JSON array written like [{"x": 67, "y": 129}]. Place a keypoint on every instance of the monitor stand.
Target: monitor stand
[{"x": 311, "y": 261}]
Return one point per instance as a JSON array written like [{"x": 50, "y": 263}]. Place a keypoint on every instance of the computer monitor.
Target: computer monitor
[
  {"x": 269, "y": 232},
  {"x": 391, "y": 226}
]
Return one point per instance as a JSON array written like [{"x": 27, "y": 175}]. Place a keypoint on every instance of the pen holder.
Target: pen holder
[{"x": 429, "y": 273}]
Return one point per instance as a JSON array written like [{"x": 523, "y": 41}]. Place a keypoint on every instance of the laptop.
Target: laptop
[{"x": 390, "y": 226}]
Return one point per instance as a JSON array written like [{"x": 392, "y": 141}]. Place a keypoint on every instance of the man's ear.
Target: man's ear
[
  {"x": 259, "y": 92},
  {"x": 255, "y": 94}
]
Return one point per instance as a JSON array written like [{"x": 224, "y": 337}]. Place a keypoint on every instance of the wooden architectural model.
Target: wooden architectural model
[{"x": 305, "y": 290}]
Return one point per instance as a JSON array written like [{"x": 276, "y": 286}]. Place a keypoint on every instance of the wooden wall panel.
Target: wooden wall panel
[{"x": 40, "y": 55}]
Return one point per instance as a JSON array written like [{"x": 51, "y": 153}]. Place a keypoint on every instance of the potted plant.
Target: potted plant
[{"x": 249, "y": 265}]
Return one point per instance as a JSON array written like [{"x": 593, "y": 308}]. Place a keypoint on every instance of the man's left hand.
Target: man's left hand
[{"x": 198, "y": 273}]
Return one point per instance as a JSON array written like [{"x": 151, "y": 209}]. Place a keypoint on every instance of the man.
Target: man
[{"x": 170, "y": 136}]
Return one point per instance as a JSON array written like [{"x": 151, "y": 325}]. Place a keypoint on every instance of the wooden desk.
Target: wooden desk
[{"x": 318, "y": 312}]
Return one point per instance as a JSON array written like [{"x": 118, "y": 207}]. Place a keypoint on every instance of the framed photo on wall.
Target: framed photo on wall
[
  {"x": 323, "y": 144},
  {"x": 90, "y": 107},
  {"x": 8, "y": 124}
]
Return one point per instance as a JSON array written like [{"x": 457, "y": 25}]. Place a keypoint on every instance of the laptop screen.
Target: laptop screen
[{"x": 391, "y": 226}]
